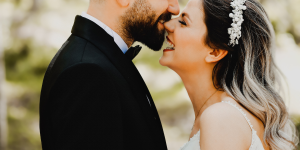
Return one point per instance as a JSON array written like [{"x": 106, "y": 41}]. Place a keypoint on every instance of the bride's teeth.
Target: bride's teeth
[
  {"x": 171, "y": 48},
  {"x": 170, "y": 44}
]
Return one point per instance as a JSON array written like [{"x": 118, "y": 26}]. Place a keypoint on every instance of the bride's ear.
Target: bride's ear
[{"x": 215, "y": 55}]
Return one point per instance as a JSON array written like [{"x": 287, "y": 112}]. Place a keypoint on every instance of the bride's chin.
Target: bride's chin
[{"x": 163, "y": 61}]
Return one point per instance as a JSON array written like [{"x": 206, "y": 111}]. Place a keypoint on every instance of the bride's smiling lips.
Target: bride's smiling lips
[{"x": 171, "y": 46}]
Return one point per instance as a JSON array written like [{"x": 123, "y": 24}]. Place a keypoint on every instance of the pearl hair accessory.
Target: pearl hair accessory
[{"x": 237, "y": 18}]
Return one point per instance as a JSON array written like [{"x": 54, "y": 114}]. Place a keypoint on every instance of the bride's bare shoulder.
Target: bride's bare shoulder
[
  {"x": 222, "y": 113},
  {"x": 223, "y": 127}
]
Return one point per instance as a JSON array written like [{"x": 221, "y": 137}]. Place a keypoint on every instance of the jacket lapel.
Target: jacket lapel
[{"x": 104, "y": 42}]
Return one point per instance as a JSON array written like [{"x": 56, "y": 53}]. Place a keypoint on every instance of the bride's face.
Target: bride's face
[{"x": 187, "y": 34}]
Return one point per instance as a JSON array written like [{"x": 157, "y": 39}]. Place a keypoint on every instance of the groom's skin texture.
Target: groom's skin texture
[{"x": 135, "y": 20}]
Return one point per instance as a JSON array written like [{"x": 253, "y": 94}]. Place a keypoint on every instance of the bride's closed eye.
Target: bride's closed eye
[{"x": 182, "y": 22}]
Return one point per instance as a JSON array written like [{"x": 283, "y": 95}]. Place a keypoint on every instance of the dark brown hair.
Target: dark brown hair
[{"x": 248, "y": 72}]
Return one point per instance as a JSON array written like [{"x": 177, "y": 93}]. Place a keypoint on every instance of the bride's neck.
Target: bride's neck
[{"x": 200, "y": 87}]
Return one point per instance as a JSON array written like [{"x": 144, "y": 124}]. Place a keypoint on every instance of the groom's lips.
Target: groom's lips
[{"x": 161, "y": 24}]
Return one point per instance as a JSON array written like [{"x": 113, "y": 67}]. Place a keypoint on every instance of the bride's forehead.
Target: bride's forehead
[
  {"x": 194, "y": 7},
  {"x": 194, "y": 3}
]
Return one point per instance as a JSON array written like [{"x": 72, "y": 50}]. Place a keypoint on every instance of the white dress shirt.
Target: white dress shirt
[{"x": 118, "y": 40}]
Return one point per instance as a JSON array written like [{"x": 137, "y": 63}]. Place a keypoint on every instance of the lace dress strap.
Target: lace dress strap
[
  {"x": 193, "y": 143},
  {"x": 255, "y": 142},
  {"x": 239, "y": 109}
]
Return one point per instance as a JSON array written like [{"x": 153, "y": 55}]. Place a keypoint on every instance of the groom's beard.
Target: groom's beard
[{"x": 139, "y": 24}]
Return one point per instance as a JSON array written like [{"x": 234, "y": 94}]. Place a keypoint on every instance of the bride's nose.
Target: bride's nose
[{"x": 170, "y": 25}]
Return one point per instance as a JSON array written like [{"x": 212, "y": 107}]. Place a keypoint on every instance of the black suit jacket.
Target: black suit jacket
[{"x": 93, "y": 97}]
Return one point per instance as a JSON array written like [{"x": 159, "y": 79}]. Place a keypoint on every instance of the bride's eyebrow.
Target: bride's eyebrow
[{"x": 184, "y": 14}]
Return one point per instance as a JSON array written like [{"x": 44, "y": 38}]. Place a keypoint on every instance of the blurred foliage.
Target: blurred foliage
[{"x": 34, "y": 31}]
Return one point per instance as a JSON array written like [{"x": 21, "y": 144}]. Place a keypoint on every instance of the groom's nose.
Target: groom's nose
[{"x": 173, "y": 7}]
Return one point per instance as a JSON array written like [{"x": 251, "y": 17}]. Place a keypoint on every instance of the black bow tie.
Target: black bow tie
[{"x": 132, "y": 52}]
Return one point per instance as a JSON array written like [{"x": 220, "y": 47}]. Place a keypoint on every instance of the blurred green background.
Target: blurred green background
[{"x": 31, "y": 32}]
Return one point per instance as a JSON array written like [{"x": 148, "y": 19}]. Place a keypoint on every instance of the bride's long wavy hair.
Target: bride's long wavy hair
[{"x": 248, "y": 72}]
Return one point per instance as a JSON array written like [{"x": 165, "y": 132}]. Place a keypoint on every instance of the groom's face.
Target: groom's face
[{"x": 143, "y": 21}]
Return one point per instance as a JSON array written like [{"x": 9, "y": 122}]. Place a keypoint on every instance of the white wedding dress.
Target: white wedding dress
[{"x": 256, "y": 144}]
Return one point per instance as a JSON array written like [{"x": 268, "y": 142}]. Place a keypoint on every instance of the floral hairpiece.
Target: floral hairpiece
[{"x": 237, "y": 18}]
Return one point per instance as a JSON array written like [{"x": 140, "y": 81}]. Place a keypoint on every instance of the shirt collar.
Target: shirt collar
[{"x": 117, "y": 38}]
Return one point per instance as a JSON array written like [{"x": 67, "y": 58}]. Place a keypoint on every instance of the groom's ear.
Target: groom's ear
[
  {"x": 215, "y": 55},
  {"x": 123, "y": 3}
]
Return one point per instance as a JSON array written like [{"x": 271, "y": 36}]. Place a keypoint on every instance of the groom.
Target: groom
[{"x": 93, "y": 97}]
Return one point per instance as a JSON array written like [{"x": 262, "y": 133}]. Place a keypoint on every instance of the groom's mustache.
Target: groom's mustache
[{"x": 167, "y": 16}]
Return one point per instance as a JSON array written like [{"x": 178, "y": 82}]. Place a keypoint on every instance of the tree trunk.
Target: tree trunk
[{"x": 3, "y": 104}]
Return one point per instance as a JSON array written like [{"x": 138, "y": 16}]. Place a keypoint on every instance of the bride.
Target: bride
[{"x": 222, "y": 50}]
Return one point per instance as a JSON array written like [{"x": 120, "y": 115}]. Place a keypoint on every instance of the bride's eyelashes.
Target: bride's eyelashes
[{"x": 182, "y": 22}]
